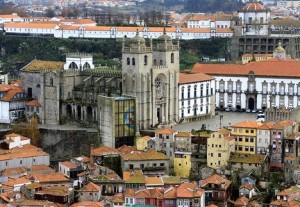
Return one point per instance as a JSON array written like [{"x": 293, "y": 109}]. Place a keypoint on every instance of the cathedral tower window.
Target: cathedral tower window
[
  {"x": 51, "y": 81},
  {"x": 155, "y": 62},
  {"x": 172, "y": 57},
  {"x": 133, "y": 61},
  {"x": 145, "y": 60},
  {"x": 128, "y": 61},
  {"x": 161, "y": 62}
]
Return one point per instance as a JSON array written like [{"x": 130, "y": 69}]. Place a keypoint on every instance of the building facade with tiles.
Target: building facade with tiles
[{"x": 256, "y": 85}]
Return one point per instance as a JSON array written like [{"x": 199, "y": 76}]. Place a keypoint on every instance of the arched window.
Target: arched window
[
  {"x": 128, "y": 61},
  {"x": 86, "y": 66},
  {"x": 145, "y": 60},
  {"x": 133, "y": 61},
  {"x": 155, "y": 62},
  {"x": 161, "y": 62},
  {"x": 38, "y": 85},
  {"x": 172, "y": 57},
  {"x": 51, "y": 81},
  {"x": 73, "y": 66}
]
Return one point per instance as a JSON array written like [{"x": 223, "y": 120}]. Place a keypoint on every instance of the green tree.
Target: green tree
[{"x": 33, "y": 131}]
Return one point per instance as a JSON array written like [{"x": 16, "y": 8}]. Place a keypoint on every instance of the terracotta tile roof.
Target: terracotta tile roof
[
  {"x": 224, "y": 30},
  {"x": 170, "y": 193},
  {"x": 266, "y": 68},
  {"x": 183, "y": 134},
  {"x": 34, "y": 203},
  {"x": 189, "y": 190},
  {"x": 24, "y": 153},
  {"x": 16, "y": 181},
  {"x": 284, "y": 203},
  {"x": 41, "y": 168},
  {"x": 33, "y": 102},
  {"x": 247, "y": 124},
  {"x": 38, "y": 65},
  {"x": 126, "y": 149},
  {"x": 293, "y": 136},
  {"x": 241, "y": 201},
  {"x": 10, "y": 95},
  {"x": 165, "y": 131},
  {"x": 145, "y": 155},
  {"x": 248, "y": 186},
  {"x": 68, "y": 164},
  {"x": 224, "y": 131},
  {"x": 154, "y": 181},
  {"x": 13, "y": 171},
  {"x": 212, "y": 205},
  {"x": 88, "y": 204},
  {"x": 146, "y": 138},
  {"x": 129, "y": 192},
  {"x": 247, "y": 159},
  {"x": 200, "y": 17},
  {"x": 40, "y": 25},
  {"x": 133, "y": 176},
  {"x": 195, "y": 30},
  {"x": 49, "y": 178},
  {"x": 9, "y": 16},
  {"x": 90, "y": 187},
  {"x": 286, "y": 123},
  {"x": 54, "y": 190},
  {"x": 185, "y": 78},
  {"x": 217, "y": 180},
  {"x": 104, "y": 150},
  {"x": 288, "y": 191},
  {"x": 253, "y": 6},
  {"x": 78, "y": 21},
  {"x": 118, "y": 198}
]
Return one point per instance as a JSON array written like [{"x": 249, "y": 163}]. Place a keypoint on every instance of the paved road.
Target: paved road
[{"x": 229, "y": 118}]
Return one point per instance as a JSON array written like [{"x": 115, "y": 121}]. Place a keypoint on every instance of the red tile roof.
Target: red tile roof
[
  {"x": 165, "y": 131},
  {"x": 145, "y": 155},
  {"x": 241, "y": 201},
  {"x": 68, "y": 164},
  {"x": 104, "y": 150},
  {"x": 267, "y": 68},
  {"x": 189, "y": 190},
  {"x": 33, "y": 102},
  {"x": 88, "y": 204},
  {"x": 90, "y": 187},
  {"x": 217, "y": 180},
  {"x": 185, "y": 78}
]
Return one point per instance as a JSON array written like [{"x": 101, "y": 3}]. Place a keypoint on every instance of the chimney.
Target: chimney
[{"x": 91, "y": 156}]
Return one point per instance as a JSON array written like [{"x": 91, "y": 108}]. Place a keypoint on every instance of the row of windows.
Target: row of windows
[
  {"x": 146, "y": 60},
  {"x": 251, "y": 131},
  {"x": 245, "y": 139},
  {"x": 244, "y": 148},
  {"x": 196, "y": 93},
  {"x": 219, "y": 154},
  {"x": 195, "y": 101}
]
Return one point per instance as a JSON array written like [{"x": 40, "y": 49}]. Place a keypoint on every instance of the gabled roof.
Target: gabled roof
[
  {"x": 248, "y": 186},
  {"x": 247, "y": 124},
  {"x": 154, "y": 181},
  {"x": 216, "y": 180},
  {"x": 104, "y": 150},
  {"x": 185, "y": 78},
  {"x": 189, "y": 190},
  {"x": 183, "y": 134},
  {"x": 288, "y": 191},
  {"x": 126, "y": 149},
  {"x": 241, "y": 201},
  {"x": 165, "y": 131},
  {"x": 90, "y": 187},
  {"x": 118, "y": 198},
  {"x": 68, "y": 164},
  {"x": 49, "y": 178},
  {"x": 170, "y": 193}
]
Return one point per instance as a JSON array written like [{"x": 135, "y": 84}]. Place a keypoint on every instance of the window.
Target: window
[
  {"x": 251, "y": 149},
  {"x": 246, "y": 139},
  {"x": 219, "y": 154},
  {"x": 201, "y": 90},
  {"x": 247, "y": 131},
  {"x": 21, "y": 162},
  {"x": 251, "y": 139},
  {"x": 211, "y": 154},
  {"x": 240, "y": 139},
  {"x": 51, "y": 81},
  {"x": 172, "y": 57},
  {"x": 128, "y": 61},
  {"x": 133, "y": 61},
  {"x": 246, "y": 148},
  {"x": 240, "y": 148},
  {"x": 130, "y": 166},
  {"x": 251, "y": 131},
  {"x": 195, "y": 91},
  {"x": 162, "y": 164},
  {"x": 145, "y": 60}
]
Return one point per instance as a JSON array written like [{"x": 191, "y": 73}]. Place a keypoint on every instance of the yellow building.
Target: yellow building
[
  {"x": 255, "y": 57},
  {"x": 182, "y": 164},
  {"x": 245, "y": 136},
  {"x": 219, "y": 147},
  {"x": 142, "y": 142}
]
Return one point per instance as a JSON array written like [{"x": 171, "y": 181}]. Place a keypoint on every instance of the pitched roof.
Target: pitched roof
[
  {"x": 126, "y": 149},
  {"x": 170, "y": 193},
  {"x": 33, "y": 102},
  {"x": 241, "y": 201},
  {"x": 133, "y": 176},
  {"x": 49, "y": 178},
  {"x": 104, "y": 150},
  {"x": 289, "y": 191},
  {"x": 153, "y": 181},
  {"x": 247, "y": 124},
  {"x": 38, "y": 65},
  {"x": 185, "y": 78},
  {"x": 88, "y": 204},
  {"x": 68, "y": 164},
  {"x": 217, "y": 180},
  {"x": 189, "y": 190},
  {"x": 27, "y": 151},
  {"x": 171, "y": 180},
  {"x": 165, "y": 131},
  {"x": 266, "y": 68},
  {"x": 248, "y": 186},
  {"x": 31, "y": 25},
  {"x": 90, "y": 187},
  {"x": 145, "y": 155},
  {"x": 183, "y": 134},
  {"x": 118, "y": 198}
]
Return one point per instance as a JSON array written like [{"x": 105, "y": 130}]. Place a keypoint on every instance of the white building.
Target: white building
[
  {"x": 16, "y": 151},
  {"x": 196, "y": 96},
  {"x": 256, "y": 85},
  {"x": 12, "y": 102},
  {"x": 255, "y": 19},
  {"x": 5, "y": 18},
  {"x": 263, "y": 138}
]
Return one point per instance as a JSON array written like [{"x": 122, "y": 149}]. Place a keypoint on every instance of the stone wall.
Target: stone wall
[{"x": 63, "y": 144}]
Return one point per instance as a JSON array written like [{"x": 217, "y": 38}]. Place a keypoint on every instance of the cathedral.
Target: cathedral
[{"x": 119, "y": 101}]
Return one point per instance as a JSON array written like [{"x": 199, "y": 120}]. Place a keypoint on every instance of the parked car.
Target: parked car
[
  {"x": 253, "y": 111},
  {"x": 248, "y": 110}
]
